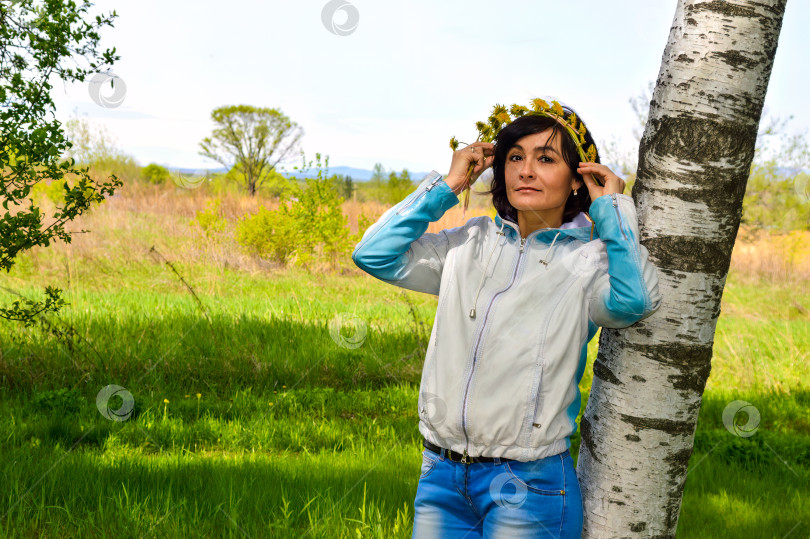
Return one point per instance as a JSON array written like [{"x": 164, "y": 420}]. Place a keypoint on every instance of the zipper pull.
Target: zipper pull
[
  {"x": 464, "y": 458},
  {"x": 522, "y": 243},
  {"x": 613, "y": 197}
]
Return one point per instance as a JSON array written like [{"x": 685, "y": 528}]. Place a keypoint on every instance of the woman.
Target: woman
[{"x": 519, "y": 299}]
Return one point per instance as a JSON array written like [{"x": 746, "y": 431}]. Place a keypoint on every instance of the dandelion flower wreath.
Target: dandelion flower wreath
[{"x": 501, "y": 117}]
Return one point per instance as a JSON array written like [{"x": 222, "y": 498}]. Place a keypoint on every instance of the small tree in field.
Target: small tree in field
[{"x": 255, "y": 140}]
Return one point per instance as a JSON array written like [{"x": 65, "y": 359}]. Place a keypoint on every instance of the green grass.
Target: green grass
[{"x": 293, "y": 433}]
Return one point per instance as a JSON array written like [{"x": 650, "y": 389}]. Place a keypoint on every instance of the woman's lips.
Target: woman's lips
[{"x": 525, "y": 189}]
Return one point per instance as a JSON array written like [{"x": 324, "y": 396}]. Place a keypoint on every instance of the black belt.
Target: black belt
[{"x": 457, "y": 457}]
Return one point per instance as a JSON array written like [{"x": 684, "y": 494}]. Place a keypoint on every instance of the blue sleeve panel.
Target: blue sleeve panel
[
  {"x": 396, "y": 248},
  {"x": 629, "y": 291}
]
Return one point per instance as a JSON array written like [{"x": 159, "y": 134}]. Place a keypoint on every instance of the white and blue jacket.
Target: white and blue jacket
[{"x": 509, "y": 342}]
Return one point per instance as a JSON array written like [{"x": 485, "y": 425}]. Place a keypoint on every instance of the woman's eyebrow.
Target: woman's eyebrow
[{"x": 538, "y": 149}]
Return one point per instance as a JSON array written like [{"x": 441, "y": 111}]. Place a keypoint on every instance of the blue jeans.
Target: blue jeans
[{"x": 509, "y": 499}]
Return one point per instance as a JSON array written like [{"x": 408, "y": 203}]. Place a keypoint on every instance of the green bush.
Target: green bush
[
  {"x": 775, "y": 202},
  {"x": 271, "y": 184},
  {"x": 52, "y": 190},
  {"x": 121, "y": 166},
  {"x": 154, "y": 173},
  {"x": 210, "y": 219},
  {"x": 307, "y": 227},
  {"x": 267, "y": 234}
]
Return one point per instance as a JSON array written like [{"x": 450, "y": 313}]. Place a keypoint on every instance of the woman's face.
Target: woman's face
[{"x": 537, "y": 176}]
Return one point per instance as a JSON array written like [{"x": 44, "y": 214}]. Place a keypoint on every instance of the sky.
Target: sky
[{"x": 388, "y": 82}]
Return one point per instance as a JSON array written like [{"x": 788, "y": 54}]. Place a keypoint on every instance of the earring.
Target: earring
[{"x": 575, "y": 192}]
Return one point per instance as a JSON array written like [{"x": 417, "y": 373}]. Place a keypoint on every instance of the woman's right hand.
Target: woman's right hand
[{"x": 480, "y": 153}]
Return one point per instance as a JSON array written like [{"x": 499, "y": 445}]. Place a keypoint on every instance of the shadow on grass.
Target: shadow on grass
[
  {"x": 183, "y": 353},
  {"x": 254, "y": 494}
]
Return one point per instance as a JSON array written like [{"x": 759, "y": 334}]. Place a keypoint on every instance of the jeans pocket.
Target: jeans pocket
[
  {"x": 429, "y": 459},
  {"x": 544, "y": 476}
]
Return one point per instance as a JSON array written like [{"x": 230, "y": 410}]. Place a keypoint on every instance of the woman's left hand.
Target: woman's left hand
[{"x": 611, "y": 182}]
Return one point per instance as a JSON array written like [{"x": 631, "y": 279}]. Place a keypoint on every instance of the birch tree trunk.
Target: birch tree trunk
[{"x": 694, "y": 159}]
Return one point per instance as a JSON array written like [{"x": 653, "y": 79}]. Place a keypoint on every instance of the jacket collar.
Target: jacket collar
[{"x": 578, "y": 228}]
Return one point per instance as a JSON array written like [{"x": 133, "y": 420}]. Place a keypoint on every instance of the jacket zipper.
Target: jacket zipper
[
  {"x": 475, "y": 351},
  {"x": 414, "y": 199},
  {"x": 618, "y": 213},
  {"x": 537, "y": 400},
  {"x": 420, "y": 195}
]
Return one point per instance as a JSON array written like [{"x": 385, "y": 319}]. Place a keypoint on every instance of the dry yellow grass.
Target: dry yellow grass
[
  {"x": 775, "y": 256},
  {"x": 166, "y": 212}
]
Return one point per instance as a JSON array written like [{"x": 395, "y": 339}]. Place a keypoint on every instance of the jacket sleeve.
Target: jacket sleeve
[
  {"x": 628, "y": 292},
  {"x": 396, "y": 248}
]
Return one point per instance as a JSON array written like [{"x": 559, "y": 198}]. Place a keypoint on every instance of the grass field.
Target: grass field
[{"x": 277, "y": 402}]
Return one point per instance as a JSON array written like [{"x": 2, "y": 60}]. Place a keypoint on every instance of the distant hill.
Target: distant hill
[{"x": 357, "y": 174}]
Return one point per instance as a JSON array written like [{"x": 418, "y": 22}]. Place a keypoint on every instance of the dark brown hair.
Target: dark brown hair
[{"x": 529, "y": 125}]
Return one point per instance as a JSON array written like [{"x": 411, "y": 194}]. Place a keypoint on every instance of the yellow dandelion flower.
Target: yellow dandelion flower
[
  {"x": 271, "y": 404},
  {"x": 557, "y": 108},
  {"x": 199, "y": 395},
  {"x": 166, "y": 401},
  {"x": 283, "y": 386},
  {"x": 539, "y": 104},
  {"x": 453, "y": 144},
  {"x": 518, "y": 110},
  {"x": 591, "y": 153},
  {"x": 504, "y": 117},
  {"x": 187, "y": 396},
  {"x": 572, "y": 119}
]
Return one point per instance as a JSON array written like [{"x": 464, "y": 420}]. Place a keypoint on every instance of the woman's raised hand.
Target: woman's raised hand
[
  {"x": 482, "y": 154},
  {"x": 611, "y": 182}
]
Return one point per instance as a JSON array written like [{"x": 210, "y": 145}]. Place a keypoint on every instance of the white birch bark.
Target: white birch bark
[{"x": 638, "y": 427}]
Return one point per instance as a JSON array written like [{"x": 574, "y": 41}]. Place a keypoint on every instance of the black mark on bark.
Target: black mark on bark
[
  {"x": 669, "y": 426},
  {"x": 691, "y": 254},
  {"x": 736, "y": 59},
  {"x": 605, "y": 374},
  {"x": 687, "y": 357},
  {"x": 587, "y": 438},
  {"x": 721, "y": 8},
  {"x": 694, "y": 380}
]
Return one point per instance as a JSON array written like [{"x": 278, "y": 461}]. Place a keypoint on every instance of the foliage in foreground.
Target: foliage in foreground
[{"x": 38, "y": 42}]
